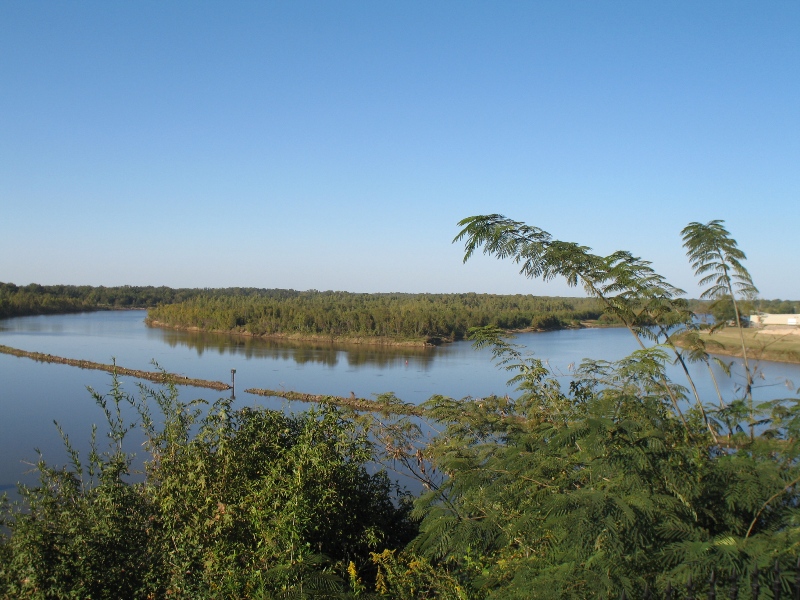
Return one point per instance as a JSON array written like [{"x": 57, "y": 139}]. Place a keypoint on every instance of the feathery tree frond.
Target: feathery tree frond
[
  {"x": 716, "y": 256},
  {"x": 717, "y": 259},
  {"x": 602, "y": 490},
  {"x": 628, "y": 287}
]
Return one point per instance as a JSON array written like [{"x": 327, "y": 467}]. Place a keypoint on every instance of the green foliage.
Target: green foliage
[
  {"x": 603, "y": 488},
  {"x": 246, "y": 503},
  {"x": 715, "y": 255},
  {"x": 35, "y": 299},
  {"x": 627, "y": 288},
  {"x": 781, "y": 307},
  {"x": 407, "y": 576},
  {"x": 614, "y": 484},
  {"x": 426, "y": 317},
  {"x": 724, "y": 311}
]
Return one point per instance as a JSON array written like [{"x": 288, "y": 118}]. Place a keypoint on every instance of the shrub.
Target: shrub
[{"x": 234, "y": 503}]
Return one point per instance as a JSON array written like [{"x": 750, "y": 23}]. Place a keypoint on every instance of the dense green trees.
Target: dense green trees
[
  {"x": 312, "y": 313},
  {"x": 332, "y": 314},
  {"x": 620, "y": 483},
  {"x": 35, "y": 299},
  {"x": 235, "y": 504},
  {"x": 603, "y": 489},
  {"x": 395, "y": 316}
]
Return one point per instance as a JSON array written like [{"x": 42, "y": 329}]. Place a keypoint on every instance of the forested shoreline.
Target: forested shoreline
[
  {"x": 260, "y": 311},
  {"x": 375, "y": 318},
  {"x": 35, "y": 299},
  {"x": 388, "y": 318}
]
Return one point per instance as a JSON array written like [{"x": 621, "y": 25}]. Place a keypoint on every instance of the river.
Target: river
[{"x": 33, "y": 395}]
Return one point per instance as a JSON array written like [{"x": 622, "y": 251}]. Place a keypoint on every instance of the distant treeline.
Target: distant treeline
[
  {"x": 428, "y": 317},
  {"x": 777, "y": 307},
  {"x": 35, "y": 299},
  {"x": 261, "y": 311}
]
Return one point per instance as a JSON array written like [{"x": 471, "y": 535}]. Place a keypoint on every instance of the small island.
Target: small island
[{"x": 380, "y": 319}]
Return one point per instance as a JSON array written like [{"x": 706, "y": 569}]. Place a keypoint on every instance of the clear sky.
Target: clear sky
[{"x": 335, "y": 145}]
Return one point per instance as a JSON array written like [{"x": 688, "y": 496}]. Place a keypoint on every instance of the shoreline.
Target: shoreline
[
  {"x": 767, "y": 356},
  {"x": 726, "y": 342},
  {"x": 355, "y": 340},
  {"x": 300, "y": 337}
]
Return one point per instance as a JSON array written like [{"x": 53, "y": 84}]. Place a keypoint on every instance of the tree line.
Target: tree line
[
  {"x": 35, "y": 299},
  {"x": 429, "y": 317},
  {"x": 260, "y": 311},
  {"x": 722, "y": 308}
]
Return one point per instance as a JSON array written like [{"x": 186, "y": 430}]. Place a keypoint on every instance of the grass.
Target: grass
[{"x": 761, "y": 344}]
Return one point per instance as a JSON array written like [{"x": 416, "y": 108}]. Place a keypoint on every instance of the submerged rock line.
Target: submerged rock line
[
  {"x": 155, "y": 376},
  {"x": 359, "y": 404}
]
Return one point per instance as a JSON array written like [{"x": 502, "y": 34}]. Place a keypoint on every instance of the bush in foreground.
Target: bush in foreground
[{"x": 245, "y": 503}]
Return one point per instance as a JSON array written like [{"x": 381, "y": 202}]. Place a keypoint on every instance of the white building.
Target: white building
[{"x": 761, "y": 319}]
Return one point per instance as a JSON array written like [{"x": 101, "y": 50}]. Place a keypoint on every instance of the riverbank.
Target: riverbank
[
  {"x": 778, "y": 344},
  {"x": 301, "y": 337},
  {"x": 430, "y": 342}
]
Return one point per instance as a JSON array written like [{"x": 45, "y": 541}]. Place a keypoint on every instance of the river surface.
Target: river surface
[{"x": 33, "y": 395}]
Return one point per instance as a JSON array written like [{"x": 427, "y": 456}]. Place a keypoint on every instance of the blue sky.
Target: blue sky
[{"x": 335, "y": 145}]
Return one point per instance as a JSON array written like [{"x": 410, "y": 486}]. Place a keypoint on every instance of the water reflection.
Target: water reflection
[
  {"x": 33, "y": 324},
  {"x": 301, "y": 352},
  {"x": 34, "y": 394}
]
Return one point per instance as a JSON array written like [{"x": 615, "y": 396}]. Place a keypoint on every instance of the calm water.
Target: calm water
[{"x": 33, "y": 395}]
